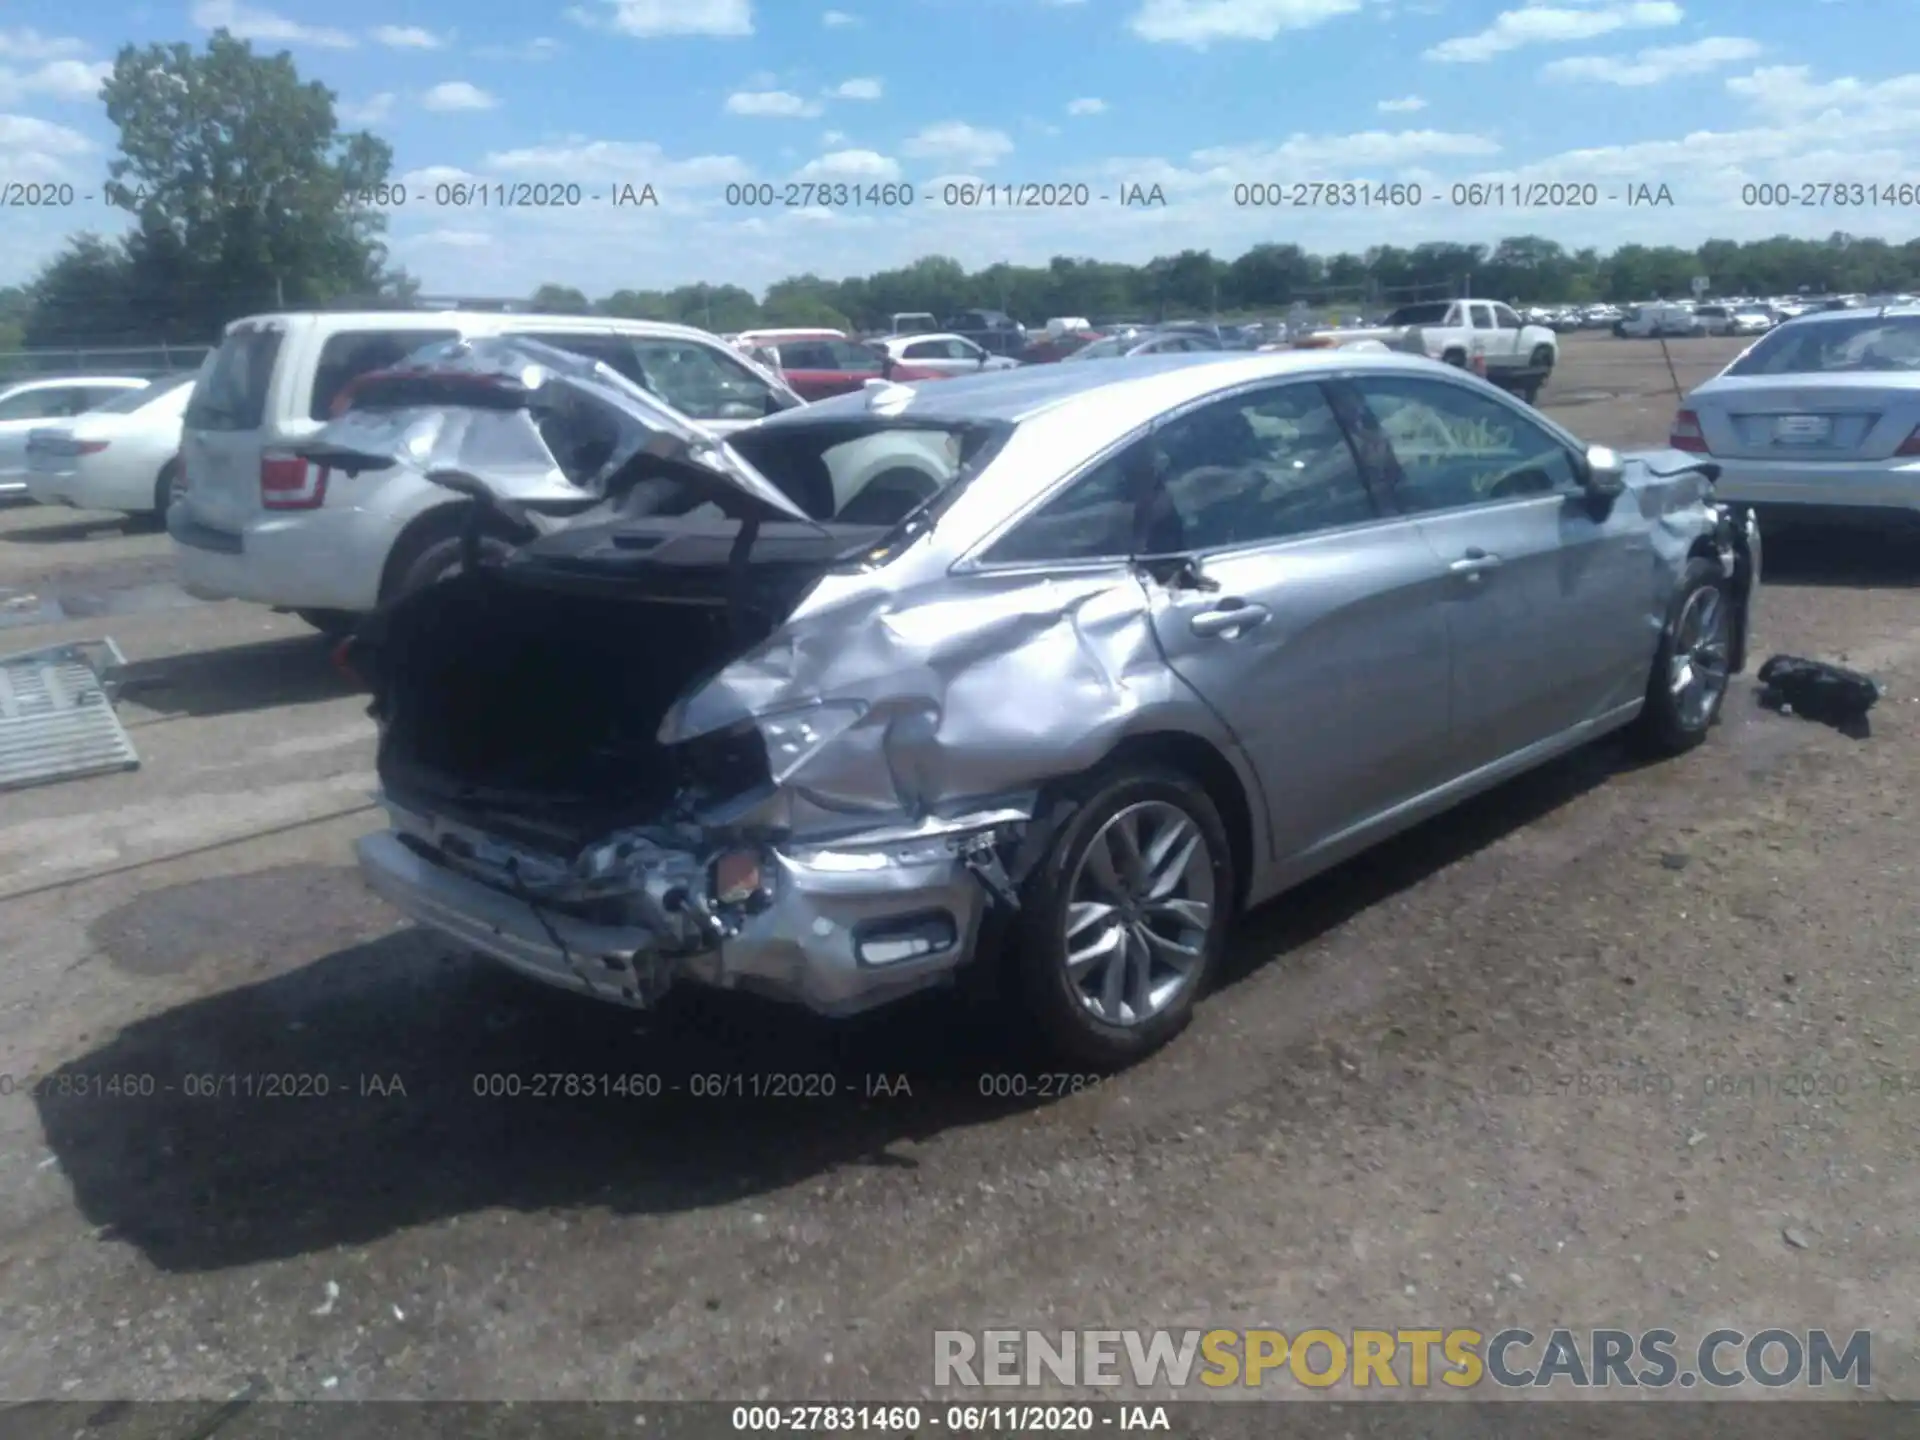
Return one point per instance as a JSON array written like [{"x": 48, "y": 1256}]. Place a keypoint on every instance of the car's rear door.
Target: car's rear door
[
  {"x": 1549, "y": 596},
  {"x": 1301, "y": 611}
]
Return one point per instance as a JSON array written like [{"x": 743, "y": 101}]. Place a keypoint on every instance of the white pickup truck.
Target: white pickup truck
[{"x": 1481, "y": 335}]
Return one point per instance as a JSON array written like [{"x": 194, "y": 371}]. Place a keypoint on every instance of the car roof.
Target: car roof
[
  {"x": 1132, "y": 385},
  {"x": 1858, "y": 312},
  {"x": 923, "y": 335},
  {"x": 476, "y": 322}
]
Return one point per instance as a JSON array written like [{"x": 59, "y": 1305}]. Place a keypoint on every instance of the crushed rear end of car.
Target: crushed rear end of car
[{"x": 607, "y": 763}]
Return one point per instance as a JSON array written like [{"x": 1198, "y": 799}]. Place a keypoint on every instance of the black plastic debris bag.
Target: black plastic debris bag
[{"x": 1830, "y": 694}]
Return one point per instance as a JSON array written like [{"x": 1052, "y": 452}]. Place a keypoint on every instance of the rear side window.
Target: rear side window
[
  {"x": 1092, "y": 519},
  {"x": 232, "y": 395},
  {"x": 51, "y": 403},
  {"x": 353, "y": 353}
]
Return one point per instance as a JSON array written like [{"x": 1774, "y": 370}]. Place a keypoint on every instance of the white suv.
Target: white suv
[{"x": 255, "y": 522}]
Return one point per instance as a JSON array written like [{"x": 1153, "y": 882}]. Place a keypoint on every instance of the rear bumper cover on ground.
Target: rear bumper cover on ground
[{"x": 837, "y": 933}]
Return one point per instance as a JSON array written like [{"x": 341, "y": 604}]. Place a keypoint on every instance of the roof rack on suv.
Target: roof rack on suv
[{"x": 430, "y": 303}]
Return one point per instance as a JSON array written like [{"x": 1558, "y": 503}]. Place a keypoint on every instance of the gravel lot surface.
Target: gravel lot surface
[{"x": 1610, "y": 1046}]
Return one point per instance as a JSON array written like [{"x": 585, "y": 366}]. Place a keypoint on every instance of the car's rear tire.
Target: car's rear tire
[
  {"x": 1691, "y": 668},
  {"x": 166, "y": 489},
  {"x": 432, "y": 551},
  {"x": 334, "y": 624},
  {"x": 1457, "y": 358},
  {"x": 1541, "y": 359},
  {"x": 1161, "y": 927}
]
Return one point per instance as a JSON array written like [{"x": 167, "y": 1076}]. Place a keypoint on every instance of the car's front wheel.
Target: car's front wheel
[
  {"x": 1123, "y": 921},
  {"x": 1693, "y": 666}
]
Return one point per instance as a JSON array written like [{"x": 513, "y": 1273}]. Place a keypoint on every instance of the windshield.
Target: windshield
[
  {"x": 1420, "y": 314},
  {"x": 867, "y": 472},
  {"x": 132, "y": 400},
  {"x": 1836, "y": 347}
]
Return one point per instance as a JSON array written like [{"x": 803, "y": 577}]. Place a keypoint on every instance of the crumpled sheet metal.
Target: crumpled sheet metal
[
  {"x": 466, "y": 414},
  {"x": 973, "y": 700}
]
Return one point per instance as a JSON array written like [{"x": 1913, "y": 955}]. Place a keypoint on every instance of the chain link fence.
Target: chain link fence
[{"x": 136, "y": 360}]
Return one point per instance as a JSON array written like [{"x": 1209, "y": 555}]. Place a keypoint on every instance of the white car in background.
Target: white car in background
[
  {"x": 947, "y": 354},
  {"x": 123, "y": 455},
  {"x": 32, "y": 403}
]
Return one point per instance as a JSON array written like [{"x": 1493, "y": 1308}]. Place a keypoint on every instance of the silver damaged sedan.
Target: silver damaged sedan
[{"x": 1039, "y": 677}]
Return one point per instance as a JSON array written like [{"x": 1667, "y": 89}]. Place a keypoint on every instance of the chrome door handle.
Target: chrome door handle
[
  {"x": 1226, "y": 619},
  {"x": 1474, "y": 564}
]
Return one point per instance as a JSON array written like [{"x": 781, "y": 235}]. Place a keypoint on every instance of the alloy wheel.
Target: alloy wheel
[
  {"x": 1702, "y": 644},
  {"x": 1139, "y": 910}
]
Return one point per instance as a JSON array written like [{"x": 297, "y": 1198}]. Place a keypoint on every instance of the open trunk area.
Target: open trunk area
[{"x": 504, "y": 696}]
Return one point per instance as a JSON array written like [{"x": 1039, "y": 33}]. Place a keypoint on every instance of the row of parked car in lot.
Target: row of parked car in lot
[
  {"x": 1735, "y": 315},
  {"x": 1040, "y": 674}
]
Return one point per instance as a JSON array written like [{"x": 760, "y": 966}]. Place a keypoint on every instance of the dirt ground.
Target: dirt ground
[{"x": 1610, "y": 1046}]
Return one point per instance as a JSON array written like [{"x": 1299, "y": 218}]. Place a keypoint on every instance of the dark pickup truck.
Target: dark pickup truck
[{"x": 992, "y": 330}]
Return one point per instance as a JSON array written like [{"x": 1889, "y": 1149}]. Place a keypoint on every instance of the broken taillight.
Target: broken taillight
[
  {"x": 343, "y": 662},
  {"x": 1686, "y": 434},
  {"x": 289, "y": 483}
]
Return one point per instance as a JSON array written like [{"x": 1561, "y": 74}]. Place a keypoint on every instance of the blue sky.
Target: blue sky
[{"x": 1195, "y": 97}]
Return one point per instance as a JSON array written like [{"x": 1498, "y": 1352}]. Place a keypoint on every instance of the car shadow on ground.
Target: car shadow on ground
[
  {"x": 392, "y": 1055},
  {"x": 1856, "y": 559},
  {"x": 267, "y": 674},
  {"x": 100, "y": 525}
]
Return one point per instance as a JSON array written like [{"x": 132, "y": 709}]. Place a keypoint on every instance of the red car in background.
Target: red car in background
[{"x": 819, "y": 366}]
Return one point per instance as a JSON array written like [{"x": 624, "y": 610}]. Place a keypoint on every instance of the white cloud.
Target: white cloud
[
  {"x": 423, "y": 181},
  {"x": 636, "y": 162},
  {"x": 771, "y": 104},
  {"x": 407, "y": 37},
  {"x": 834, "y": 137},
  {"x": 865, "y": 88},
  {"x": 646, "y": 19},
  {"x": 371, "y": 111},
  {"x": 246, "y": 23},
  {"x": 1788, "y": 90},
  {"x": 1654, "y": 66},
  {"x": 539, "y": 48},
  {"x": 453, "y": 95},
  {"x": 1087, "y": 106},
  {"x": 1201, "y": 22},
  {"x": 838, "y": 19},
  {"x": 39, "y": 149},
  {"x": 1405, "y": 105},
  {"x": 851, "y": 165},
  {"x": 30, "y": 44},
  {"x": 458, "y": 239},
  {"x": 56, "y": 80},
  {"x": 961, "y": 143},
  {"x": 1555, "y": 25}
]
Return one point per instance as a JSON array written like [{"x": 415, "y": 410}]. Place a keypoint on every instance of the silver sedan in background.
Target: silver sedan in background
[
  {"x": 1817, "y": 422},
  {"x": 1160, "y": 639}
]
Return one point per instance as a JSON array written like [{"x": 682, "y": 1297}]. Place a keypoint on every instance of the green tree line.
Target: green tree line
[
  {"x": 1525, "y": 269},
  {"x": 241, "y": 185}
]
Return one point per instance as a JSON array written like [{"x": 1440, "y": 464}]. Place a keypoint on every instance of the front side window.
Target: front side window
[
  {"x": 1453, "y": 448},
  {"x": 1482, "y": 317},
  {"x": 699, "y": 381},
  {"x": 1270, "y": 464},
  {"x": 926, "y": 350},
  {"x": 1505, "y": 318},
  {"x": 855, "y": 359}
]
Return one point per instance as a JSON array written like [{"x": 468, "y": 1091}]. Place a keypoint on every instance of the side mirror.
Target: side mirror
[
  {"x": 887, "y": 366},
  {"x": 1605, "y": 476},
  {"x": 981, "y": 363}
]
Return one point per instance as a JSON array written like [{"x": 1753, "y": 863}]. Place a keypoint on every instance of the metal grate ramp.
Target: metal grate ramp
[{"x": 57, "y": 720}]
